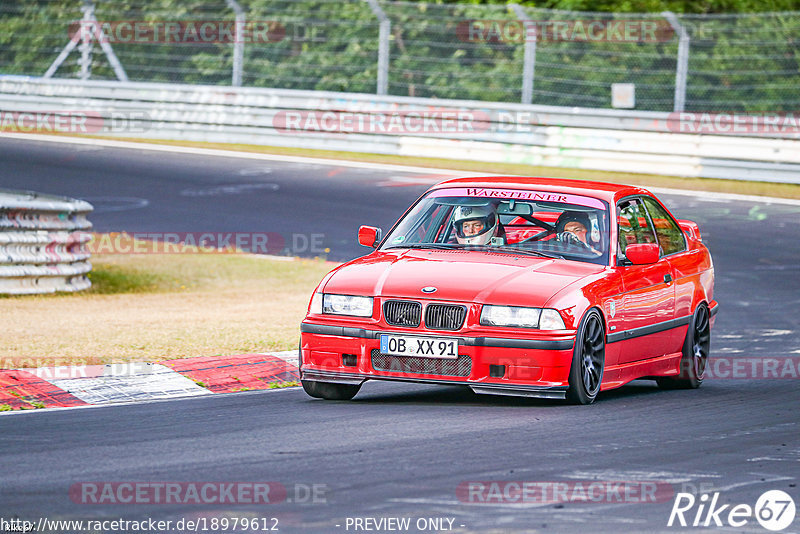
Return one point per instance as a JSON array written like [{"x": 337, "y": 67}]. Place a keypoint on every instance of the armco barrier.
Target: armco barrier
[
  {"x": 42, "y": 243},
  {"x": 601, "y": 139}
]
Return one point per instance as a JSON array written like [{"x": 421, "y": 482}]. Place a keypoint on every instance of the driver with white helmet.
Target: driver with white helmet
[{"x": 475, "y": 225}]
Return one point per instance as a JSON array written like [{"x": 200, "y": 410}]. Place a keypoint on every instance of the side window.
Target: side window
[
  {"x": 669, "y": 234},
  {"x": 634, "y": 226}
]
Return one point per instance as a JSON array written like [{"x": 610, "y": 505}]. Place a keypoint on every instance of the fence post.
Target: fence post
[
  {"x": 384, "y": 30},
  {"x": 682, "y": 69},
  {"x": 529, "y": 59},
  {"x": 89, "y": 24},
  {"x": 238, "y": 43},
  {"x": 86, "y": 42}
]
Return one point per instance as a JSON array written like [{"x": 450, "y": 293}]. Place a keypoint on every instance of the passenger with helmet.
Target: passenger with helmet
[
  {"x": 476, "y": 225},
  {"x": 572, "y": 227}
]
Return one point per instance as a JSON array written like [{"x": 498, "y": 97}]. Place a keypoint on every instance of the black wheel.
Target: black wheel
[
  {"x": 695, "y": 353},
  {"x": 588, "y": 360},
  {"x": 329, "y": 390}
]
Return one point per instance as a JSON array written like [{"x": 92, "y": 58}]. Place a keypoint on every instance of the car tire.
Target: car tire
[
  {"x": 330, "y": 391},
  {"x": 696, "y": 348},
  {"x": 588, "y": 360}
]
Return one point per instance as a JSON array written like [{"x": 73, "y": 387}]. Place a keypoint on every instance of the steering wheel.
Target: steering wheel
[{"x": 568, "y": 238}]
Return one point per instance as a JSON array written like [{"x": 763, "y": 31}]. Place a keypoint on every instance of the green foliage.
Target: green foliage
[
  {"x": 742, "y": 63},
  {"x": 677, "y": 6}
]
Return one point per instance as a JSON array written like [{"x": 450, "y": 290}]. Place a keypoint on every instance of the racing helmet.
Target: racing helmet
[
  {"x": 592, "y": 232},
  {"x": 572, "y": 216},
  {"x": 483, "y": 214}
]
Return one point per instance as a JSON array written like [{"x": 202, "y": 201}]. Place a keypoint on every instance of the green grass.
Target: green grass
[
  {"x": 114, "y": 279},
  {"x": 114, "y": 274},
  {"x": 32, "y": 404},
  {"x": 279, "y": 385},
  {"x": 156, "y": 307}
]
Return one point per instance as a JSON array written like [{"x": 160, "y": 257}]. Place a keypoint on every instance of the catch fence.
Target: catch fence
[{"x": 496, "y": 53}]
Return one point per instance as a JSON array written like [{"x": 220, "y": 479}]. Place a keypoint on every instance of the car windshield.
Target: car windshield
[{"x": 514, "y": 221}]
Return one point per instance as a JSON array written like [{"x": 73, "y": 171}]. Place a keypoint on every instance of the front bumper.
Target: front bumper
[{"x": 489, "y": 365}]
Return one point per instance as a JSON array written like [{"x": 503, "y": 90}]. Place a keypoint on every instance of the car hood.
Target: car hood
[{"x": 459, "y": 275}]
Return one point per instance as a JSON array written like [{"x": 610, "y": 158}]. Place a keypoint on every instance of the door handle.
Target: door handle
[{"x": 667, "y": 278}]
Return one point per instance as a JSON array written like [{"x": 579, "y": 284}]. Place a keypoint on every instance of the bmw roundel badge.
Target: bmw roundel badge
[{"x": 429, "y": 289}]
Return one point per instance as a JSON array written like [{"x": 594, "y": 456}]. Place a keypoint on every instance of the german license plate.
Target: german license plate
[{"x": 425, "y": 347}]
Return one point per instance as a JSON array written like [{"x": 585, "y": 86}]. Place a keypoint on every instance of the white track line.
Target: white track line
[
  {"x": 231, "y": 153},
  {"x": 703, "y": 195}
]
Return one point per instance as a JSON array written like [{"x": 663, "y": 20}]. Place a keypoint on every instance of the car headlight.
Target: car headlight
[
  {"x": 545, "y": 319},
  {"x": 347, "y": 305},
  {"x": 510, "y": 316}
]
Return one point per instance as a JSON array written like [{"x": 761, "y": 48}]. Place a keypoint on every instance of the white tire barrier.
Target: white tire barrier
[{"x": 43, "y": 243}]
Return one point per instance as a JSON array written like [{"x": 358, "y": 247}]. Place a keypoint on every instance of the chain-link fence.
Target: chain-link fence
[{"x": 461, "y": 51}]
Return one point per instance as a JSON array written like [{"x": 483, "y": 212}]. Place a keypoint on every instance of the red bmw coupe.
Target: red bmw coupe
[{"x": 517, "y": 286}]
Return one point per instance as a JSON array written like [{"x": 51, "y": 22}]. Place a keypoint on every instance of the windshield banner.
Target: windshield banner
[{"x": 518, "y": 194}]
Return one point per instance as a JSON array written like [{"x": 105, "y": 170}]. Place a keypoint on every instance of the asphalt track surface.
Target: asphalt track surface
[{"x": 401, "y": 450}]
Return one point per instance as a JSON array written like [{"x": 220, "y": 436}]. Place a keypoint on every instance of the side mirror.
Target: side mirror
[
  {"x": 642, "y": 253},
  {"x": 369, "y": 236}
]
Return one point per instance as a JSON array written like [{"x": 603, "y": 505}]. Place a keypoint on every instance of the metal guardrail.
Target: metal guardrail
[
  {"x": 43, "y": 243},
  {"x": 587, "y": 138}
]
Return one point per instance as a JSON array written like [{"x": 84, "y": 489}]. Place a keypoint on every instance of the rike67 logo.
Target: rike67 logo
[{"x": 774, "y": 510}]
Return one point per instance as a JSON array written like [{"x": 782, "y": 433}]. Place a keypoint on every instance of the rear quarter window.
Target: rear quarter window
[{"x": 669, "y": 234}]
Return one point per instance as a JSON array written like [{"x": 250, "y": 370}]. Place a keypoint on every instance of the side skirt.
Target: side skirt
[{"x": 618, "y": 375}]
